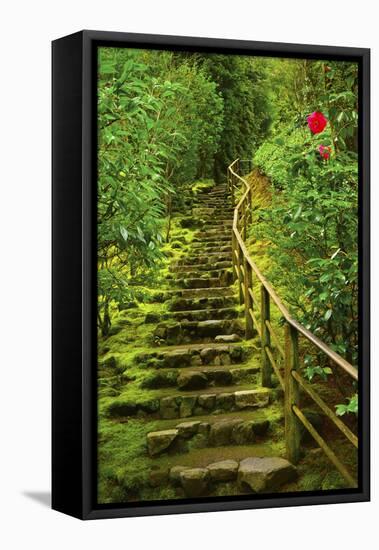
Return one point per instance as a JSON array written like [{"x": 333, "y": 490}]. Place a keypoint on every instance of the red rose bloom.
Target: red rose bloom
[
  {"x": 316, "y": 122},
  {"x": 325, "y": 151}
]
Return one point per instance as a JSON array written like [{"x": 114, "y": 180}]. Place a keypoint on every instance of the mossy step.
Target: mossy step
[
  {"x": 211, "y": 215},
  {"x": 195, "y": 304},
  {"x": 170, "y": 404},
  {"x": 212, "y": 292},
  {"x": 274, "y": 413},
  {"x": 252, "y": 474},
  {"x": 204, "y": 314},
  {"x": 196, "y": 354},
  {"x": 196, "y": 434},
  {"x": 201, "y": 267},
  {"x": 220, "y": 237},
  {"x": 210, "y": 242},
  {"x": 200, "y": 282},
  {"x": 211, "y": 248},
  {"x": 211, "y": 201},
  {"x": 204, "y": 377},
  {"x": 200, "y": 331},
  {"x": 204, "y": 258},
  {"x": 214, "y": 229},
  {"x": 195, "y": 274}
]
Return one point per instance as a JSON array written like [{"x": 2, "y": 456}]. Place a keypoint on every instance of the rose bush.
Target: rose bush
[
  {"x": 317, "y": 122},
  {"x": 325, "y": 151}
]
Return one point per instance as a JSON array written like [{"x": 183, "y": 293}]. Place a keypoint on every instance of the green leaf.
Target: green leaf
[
  {"x": 328, "y": 315},
  {"x": 124, "y": 233}
]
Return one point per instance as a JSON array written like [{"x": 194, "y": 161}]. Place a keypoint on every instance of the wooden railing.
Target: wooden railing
[{"x": 283, "y": 359}]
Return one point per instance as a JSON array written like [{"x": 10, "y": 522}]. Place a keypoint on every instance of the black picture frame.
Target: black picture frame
[{"x": 74, "y": 272}]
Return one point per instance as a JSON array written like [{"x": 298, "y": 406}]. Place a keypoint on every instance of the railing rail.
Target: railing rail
[{"x": 257, "y": 318}]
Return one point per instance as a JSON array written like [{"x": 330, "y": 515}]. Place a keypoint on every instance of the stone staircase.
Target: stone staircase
[{"x": 217, "y": 431}]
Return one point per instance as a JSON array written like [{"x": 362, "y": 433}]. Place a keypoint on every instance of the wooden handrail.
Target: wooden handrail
[{"x": 245, "y": 270}]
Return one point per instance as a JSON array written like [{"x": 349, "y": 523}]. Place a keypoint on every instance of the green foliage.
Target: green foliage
[
  {"x": 242, "y": 84},
  {"x": 312, "y": 224},
  {"x": 158, "y": 123},
  {"x": 350, "y": 407}
]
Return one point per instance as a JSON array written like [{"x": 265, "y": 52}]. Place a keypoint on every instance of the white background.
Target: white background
[{"x": 27, "y": 29}]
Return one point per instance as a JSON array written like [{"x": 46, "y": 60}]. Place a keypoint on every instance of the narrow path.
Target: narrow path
[{"x": 208, "y": 426}]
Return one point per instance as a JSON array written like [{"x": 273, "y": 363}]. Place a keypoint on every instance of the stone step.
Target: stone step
[
  {"x": 212, "y": 238},
  {"x": 213, "y": 292},
  {"x": 220, "y": 398},
  {"x": 252, "y": 474},
  {"x": 170, "y": 404},
  {"x": 201, "y": 267},
  {"x": 219, "y": 208},
  {"x": 214, "y": 246},
  {"x": 220, "y": 236},
  {"x": 197, "y": 331},
  {"x": 214, "y": 232},
  {"x": 204, "y": 258},
  {"x": 204, "y": 314},
  {"x": 195, "y": 279},
  {"x": 188, "y": 304},
  {"x": 195, "y": 355},
  {"x": 212, "y": 215},
  {"x": 213, "y": 202},
  {"x": 209, "y": 253},
  {"x": 189, "y": 434},
  {"x": 224, "y": 279},
  {"x": 203, "y": 377}
]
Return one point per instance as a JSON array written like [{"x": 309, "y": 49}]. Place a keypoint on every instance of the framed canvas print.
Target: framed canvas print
[{"x": 210, "y": 274}]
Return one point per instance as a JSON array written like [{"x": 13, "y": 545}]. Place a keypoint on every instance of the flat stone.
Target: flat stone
[
  {"x": 192, "y": 380},
  {"x": 207, "y": 400},
  {"x": 174, "y": 333},
  {"x": 227, "y": 338},
  {"x": 175, "y": 472},
  {"x": 208, "y": 354},
  {"x": 222, "y": 377},
  {"x": 187, "y": 406},
  {"x": 195, "y": 481},
  {"x": 209, "y": 328},
  {"x": 176, "y": 358},
  {"x": 157, "y": 442},
  {"x": 221, "y": 432},
  {"x": 243, "y": 433},
  {"x": 265, "y": 474},
  {"x": 169, "y": 408},
  {"x": 188, "y": 429},
  {"x": 121, "y": 408},
  {"x": 225, "y": 470},
  {"x": 225, "y": 401},
  {"x": 252, "y": 398}
]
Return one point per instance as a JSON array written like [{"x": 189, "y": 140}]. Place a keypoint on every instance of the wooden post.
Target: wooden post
[
  {"x": 244, "y": 220},
  {"x": 250, "y": 199},
  {"x": 241, "y": 300},
  {"x": 232, "y": 188},
  {"x": 265, "y": 333},
  {"x": 234, "y": 263},
  {"x": 291, "y": 394},
  {"x": 249, "y": 326}
]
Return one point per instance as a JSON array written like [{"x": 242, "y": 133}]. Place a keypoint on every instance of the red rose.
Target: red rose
[
  {"x": 316, "y": 122},
  {"x": 325, "y": 151}
]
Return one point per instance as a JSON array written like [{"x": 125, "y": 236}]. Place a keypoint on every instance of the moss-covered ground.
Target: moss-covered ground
[{"x": 127, "y": 373}]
